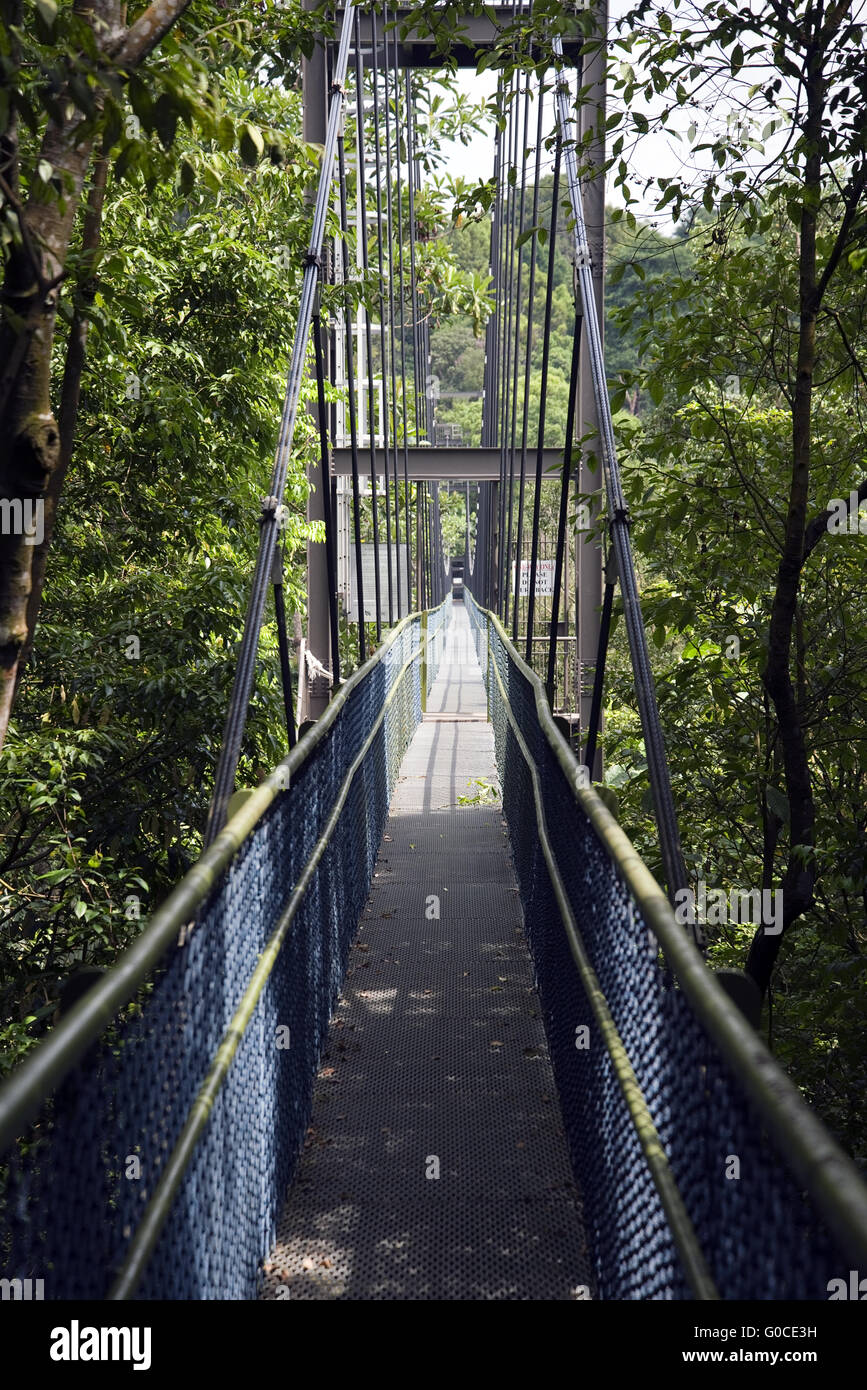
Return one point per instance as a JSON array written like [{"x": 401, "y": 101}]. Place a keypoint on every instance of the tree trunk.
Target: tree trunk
[
  {"x": 70, "y": 394},
  {"x": 30, "y": 446},
  {"x": 800, "y": 873}
]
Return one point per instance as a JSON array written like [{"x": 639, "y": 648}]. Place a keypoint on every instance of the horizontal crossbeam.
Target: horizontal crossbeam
[
  {"x": 417, "y": 46},
  {"x": 432, "y": 464}
]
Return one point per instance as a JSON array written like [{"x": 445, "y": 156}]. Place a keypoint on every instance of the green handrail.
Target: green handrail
[
  {"x": 25, "y": 1089},
  {"x": 157, "y": 1211},
  {"x": 679, "y": 1223},
  {"x": 821, "y": 1166}
]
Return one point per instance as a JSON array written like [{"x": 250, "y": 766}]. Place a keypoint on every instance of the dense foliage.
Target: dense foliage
[{"x": 736, "y": 352}]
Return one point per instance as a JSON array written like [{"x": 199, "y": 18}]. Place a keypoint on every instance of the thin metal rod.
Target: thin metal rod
[
  {"x": 599, "y": 676},
  {"x": 654, "y": 743},
  {"x": 350, "y": 391},
  {"x": 565, "y": 480},
  {"x": 517, "y": 355},
  {"x": 543, "y": 400},
  {"x": 239, "y": 701},
  {"x": 508, "y": 288},
  {"x": 283, "y": 644},
  {"x": 531, "y": 299},
  {"x": 391, "y": 319},
  {"x": 324, "y": 474},
  {"x": 368, "y": 331},
  {"x": 381, "y": 262},
  {"x": 402, "y": 298},
  {"x": 410, "y": 184}
]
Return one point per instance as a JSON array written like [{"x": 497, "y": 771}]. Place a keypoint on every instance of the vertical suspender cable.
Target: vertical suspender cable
[
  {"x": 660, "y": 779},
  {"x": 565, "y": 480},
  {"x": 368, "y": 332},
  {"x": 233, "y": 732},
  {"x": 489, "y": 401},
  {"x": 531, "y": 296},
  {"x": 599, "y": 672},
  {"x": 330, "y": 548},
  {"x": 402, "y": 295},
  {"x": 410, "y": 184},
  {"x": 283, "y": 645},
  {"x": 391, "y": 323},
  {"x": 514, "y": 390},
  {"x": 508, "y": 290},
  {"x": 350, "y": 391},
  {"x": 381, "y": 263},
  {"x": 543, "y": 400}
]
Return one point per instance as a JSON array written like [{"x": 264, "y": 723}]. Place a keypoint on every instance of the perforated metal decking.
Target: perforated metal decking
[{"x": 435, "y": 1165}]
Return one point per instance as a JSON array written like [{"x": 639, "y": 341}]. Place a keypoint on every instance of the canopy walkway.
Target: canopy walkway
[
  {"x": 160, "y": 1164},
  {"x": 420, "y": 1023},
  {"x": 435, "y": 1166}
]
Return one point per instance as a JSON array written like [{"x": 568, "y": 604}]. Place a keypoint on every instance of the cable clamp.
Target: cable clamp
[
  {"x": 311, "y": 258},
  {"x": 337, "y": 89},
  {"x": 621, "y": 514},
  {"x": 273, "y": 507},
  {"x": 583, "y": 258}
]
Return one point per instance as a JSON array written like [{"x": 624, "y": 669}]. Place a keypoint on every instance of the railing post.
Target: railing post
[{"x": 424, "y": 661}]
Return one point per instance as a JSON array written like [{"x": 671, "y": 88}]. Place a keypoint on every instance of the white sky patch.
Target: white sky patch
[{"x": 661, "y": 153}]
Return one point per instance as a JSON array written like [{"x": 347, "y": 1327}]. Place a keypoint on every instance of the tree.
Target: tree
[
  {"x": 808, "y": 60},
  {"x": 75, "y": 86}
]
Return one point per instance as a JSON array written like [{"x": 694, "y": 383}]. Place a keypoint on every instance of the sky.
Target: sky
[
  {"x": 476, "y": 160},
  {"x": 655, "y": 154}
]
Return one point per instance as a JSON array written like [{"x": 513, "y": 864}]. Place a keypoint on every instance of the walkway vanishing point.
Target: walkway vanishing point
[{"x": 435, "y": 1165}]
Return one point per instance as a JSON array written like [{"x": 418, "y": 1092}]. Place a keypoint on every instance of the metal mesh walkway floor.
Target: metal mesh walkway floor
[{"x": 435, "y": 1165}]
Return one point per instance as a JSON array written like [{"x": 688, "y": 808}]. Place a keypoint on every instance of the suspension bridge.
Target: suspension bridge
[{"x": 420, "y": 1023}]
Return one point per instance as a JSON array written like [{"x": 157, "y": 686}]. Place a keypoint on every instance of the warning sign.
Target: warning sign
[{"x": 544, "y": 579}]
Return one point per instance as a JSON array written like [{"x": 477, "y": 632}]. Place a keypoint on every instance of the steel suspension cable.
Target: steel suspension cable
[
  {"x": 413, "y": 284},
  {"x": 489, "y": 398},
  {"x": 402, "y": 296},
  {"x": 349, "y": 315},
  {"x": 543, "y": 399},
  {"x": 508, "y": 290},
  {"x": 391, "y": 319},
  {"x": 619, "y": 520},
  {"x": 361, "y": 194},
  {"x": 381, "y": 264},
  {"x": 565, "y": 480},
  {"x": 531, "y": 298},
  {"x": 517, "y": 354},
  {"x": 233, "y": 732},
  {"x": 324, "y": 470}
]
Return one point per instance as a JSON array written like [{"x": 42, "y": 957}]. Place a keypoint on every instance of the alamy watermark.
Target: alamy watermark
[
  {"x": 714, "y": 907},
  {"x": 845, "y": 518},
  {"x": 23, "y": 517}
]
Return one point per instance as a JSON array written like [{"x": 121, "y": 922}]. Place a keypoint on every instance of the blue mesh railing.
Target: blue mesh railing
[
  {"x": 197, "y": 1052},
  {"x": 703, "y": 1172}
]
